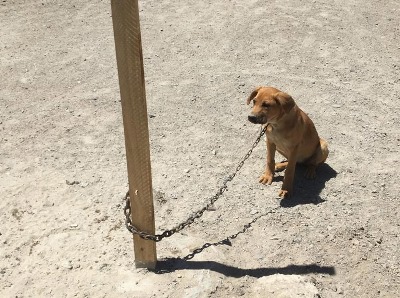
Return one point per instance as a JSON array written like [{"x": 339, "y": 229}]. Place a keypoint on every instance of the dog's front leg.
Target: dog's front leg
[
  {"x": 268, "y": 175},
  {"x": 287, "y": 186}
]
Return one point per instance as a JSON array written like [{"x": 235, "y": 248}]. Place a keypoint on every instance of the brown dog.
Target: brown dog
[{"x": 289, "y": 131}]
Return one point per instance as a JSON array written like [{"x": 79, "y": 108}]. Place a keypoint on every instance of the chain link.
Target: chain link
[{"x": 147, "y": 236}]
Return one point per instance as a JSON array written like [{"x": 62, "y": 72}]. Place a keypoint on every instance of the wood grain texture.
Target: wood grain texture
[{"x": 134, "y": 109}]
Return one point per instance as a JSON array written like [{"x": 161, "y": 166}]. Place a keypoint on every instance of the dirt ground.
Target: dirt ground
[{"x": 62, "y": 156}]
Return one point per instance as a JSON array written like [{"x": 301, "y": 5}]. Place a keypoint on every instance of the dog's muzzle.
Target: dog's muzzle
[{"x": 255, "y": 119}]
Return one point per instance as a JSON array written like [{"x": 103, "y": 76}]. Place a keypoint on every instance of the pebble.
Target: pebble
[
  {"x": 337, "y": 106},
  {"x": 71, "y": 182},
  {"x": 253, "y": 212},
  {"x": 67, "y": 264}
]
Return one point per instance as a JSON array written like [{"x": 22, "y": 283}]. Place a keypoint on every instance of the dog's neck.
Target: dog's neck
[{"x": 284, "y": 120}]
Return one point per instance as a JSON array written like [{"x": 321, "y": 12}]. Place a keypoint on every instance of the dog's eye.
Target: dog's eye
[
  {"x": 254, "y": 102},
  {"x": 266, "y": 105}
]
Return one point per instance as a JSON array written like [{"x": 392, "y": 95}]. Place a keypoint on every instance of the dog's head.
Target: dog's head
[{"x": 269, "y": 105}]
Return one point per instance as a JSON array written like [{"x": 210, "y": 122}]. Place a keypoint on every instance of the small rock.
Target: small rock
[
  {"x": 212, "y": 208},
  {"x": 73, "y": 226},
  {"x": 71, "y": 182},
  {"x": 48, "y": 204},
  {"x": 253, "y": 212},
  {"x": 336, "y": 106},
  {"x": 67, "y": 264}
]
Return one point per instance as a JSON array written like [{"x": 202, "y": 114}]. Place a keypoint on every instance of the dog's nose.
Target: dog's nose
[{"x": 252, "y": 119}]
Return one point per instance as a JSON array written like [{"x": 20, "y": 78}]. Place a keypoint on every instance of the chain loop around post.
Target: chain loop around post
[{"x": 168, "y": 233}]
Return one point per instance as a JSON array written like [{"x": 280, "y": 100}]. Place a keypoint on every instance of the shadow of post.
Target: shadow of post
[{"x": 171, "y": 265}]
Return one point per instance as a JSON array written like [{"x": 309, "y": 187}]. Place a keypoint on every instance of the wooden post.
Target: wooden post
[{"x": 128, "y": 47}]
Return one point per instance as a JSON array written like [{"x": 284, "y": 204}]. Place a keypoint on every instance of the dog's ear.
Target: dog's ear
[
  {"x": 285, "y": 100},
  {"x": 253, "y": 94}
]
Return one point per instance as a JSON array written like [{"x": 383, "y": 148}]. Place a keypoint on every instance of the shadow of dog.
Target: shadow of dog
[{"x": 308, "y": 190}]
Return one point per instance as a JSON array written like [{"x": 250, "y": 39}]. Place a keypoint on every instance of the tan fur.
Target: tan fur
[{"x": 290, "y": 132}]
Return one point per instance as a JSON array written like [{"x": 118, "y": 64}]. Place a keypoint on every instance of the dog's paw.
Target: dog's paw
[
  {"x": 284, "y": 194},
  {"x": 281, "y": 166},
  {"x": 266, "y": 178}
]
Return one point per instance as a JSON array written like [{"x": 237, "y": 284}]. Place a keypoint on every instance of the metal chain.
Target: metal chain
[{"x": 147, "y": 236}]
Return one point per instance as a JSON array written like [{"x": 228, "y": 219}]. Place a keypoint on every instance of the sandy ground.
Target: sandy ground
[{"x": 62, "y": 157}]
